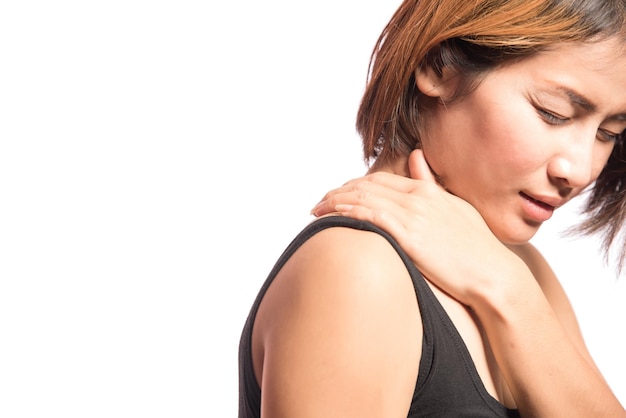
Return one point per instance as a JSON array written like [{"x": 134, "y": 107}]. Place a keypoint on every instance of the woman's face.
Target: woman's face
[{"x": 532, "y": 135}]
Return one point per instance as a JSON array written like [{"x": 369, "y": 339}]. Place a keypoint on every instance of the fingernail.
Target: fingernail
[{"x": 315, "y": 208}]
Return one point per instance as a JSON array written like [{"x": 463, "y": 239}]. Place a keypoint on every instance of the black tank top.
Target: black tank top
[{"x": 448, "y": 384}]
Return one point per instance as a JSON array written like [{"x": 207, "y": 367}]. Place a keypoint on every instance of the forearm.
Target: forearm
[
  {"x": 548, "y": 374},
  {"x": 545, "y": 371}
]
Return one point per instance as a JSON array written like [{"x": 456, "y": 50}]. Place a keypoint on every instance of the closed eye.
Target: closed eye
[
  {"x": 552, "y": 118},
  {"x": 609, "y": 136}
]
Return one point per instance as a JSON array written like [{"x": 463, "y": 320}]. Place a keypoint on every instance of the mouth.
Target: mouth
[
  {"x": 536, "y": 210},
  {"x": 538, "y": 202}
]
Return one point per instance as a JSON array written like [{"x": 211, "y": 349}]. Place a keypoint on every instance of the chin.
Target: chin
[
  {"x": 516, "y": 236},
  {"x": 515, "y": 242}
]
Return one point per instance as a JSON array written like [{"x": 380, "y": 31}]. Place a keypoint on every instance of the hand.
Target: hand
[
  {"x": 453, "y": 247},
  {"x": 444, "y": 235}
]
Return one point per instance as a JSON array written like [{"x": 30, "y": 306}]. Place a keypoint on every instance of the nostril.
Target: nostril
[
  {"x": 566, "y": 191},
  {"x": 563, "y": 186}
]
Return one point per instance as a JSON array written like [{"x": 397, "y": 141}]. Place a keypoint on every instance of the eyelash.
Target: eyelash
[
  {"x": 610, "y": 137},
  {"x": 553, "y": 119}
]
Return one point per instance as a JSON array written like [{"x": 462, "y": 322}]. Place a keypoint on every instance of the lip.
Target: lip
[
  {"x": 539, "y": 208},
  {"x": 548, "y": 201}
]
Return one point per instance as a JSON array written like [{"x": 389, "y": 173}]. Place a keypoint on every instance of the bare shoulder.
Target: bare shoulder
[
  {"x": 339, "y": 330},
  {"x": 554, "y": 291},
  {"x": 545, "y": 276},
  {"x": 536, "y": 262}
]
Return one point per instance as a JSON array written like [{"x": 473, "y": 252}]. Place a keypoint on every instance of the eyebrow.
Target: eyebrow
[
  {"x": 587, "y": 104},
  {"x": 579, "y": 100}
]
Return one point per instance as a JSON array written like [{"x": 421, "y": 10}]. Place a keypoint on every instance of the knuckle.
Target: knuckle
[
  {"x": 375, "y": 176},
  {"x": 379, "y": 217},
  {"x": 362, "y": 195},
  {"x": 360, "y": 186}
]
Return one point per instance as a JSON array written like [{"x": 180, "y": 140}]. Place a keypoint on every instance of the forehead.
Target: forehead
[
  {"x": 594, "y": 70},
  {"x": 603, "y": 57}
]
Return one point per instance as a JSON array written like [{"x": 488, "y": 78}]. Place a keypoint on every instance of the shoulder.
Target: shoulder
[
  {"x": 535, "y": 261},
  {"x": 360, "y": 268},
  {"x": 339, "y": 245},
  {"x": 339, "y": 326},
  {"x": 545, "y": 276},
  {"x": 339, "y": 253},
  {"x": 345, "y": 270},
  {"x": 554, "y": 292}
]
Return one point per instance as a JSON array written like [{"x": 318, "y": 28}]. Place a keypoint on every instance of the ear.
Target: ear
[{"x": 430, "y": 83}]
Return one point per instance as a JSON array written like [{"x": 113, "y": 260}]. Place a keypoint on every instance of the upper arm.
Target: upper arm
[{"x": 338, "y": 332}]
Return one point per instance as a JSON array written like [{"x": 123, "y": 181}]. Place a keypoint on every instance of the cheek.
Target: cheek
[
  {"x": 599, "y": 161},
  {"x": 508, "y": 129},
  {"x": 484, "y": 137},
  {"x": 503, "y": 145},
  {"x": 515, "y": 140}
]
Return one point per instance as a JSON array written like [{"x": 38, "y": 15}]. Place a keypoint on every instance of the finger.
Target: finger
[
  {"x": 419, "y": 168},
  {"x": 347, "y": 186},
  {"x": 373, "y": 196},
  {"x": 392, "y": 224},
  {"x": 384, "y": 179}
]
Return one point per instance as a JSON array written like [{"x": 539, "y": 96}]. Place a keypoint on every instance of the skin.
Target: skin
[
  {"x": 528, "y": 132},
  {"x": 342, "y": 337}
]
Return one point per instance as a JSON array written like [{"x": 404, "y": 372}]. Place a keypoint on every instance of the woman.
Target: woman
[{"x": 485, "y": 116}]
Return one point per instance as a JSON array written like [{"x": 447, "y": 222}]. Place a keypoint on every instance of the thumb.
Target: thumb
[{"x": 419, "y": 168}]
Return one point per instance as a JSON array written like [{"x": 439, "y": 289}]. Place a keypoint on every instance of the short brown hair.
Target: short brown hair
[{"x": 471, "y": 38}]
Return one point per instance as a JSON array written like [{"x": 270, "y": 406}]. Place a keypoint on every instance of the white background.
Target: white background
[{"x": 155, "y": 159}]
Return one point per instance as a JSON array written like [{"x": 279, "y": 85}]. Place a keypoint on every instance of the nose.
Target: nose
[{"x": 572, "y": 167}]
